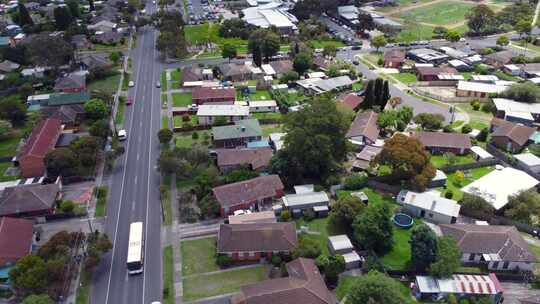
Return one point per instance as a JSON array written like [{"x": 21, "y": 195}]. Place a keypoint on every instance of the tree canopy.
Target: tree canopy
[
  {"x": 523, "y": 207},
  {"x": 45, "y": 50},
  {"x": 423, "y": 247},
  {"x": 448, "y": 257},
  {"x": 302, "y": 62},
  {"x": 375, "y": 288},
  {"x": 344, "y": 212},
  {"x": 29, "y": 275},
  {"x": 263, "y": 44},
  {"x": 524, "y": 92},
  {"x": 373, "y": 228},
  {"x": 481, "y": 20}
]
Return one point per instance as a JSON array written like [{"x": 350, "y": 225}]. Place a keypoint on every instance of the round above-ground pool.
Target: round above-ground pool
[{"x": 403, "y": 220}]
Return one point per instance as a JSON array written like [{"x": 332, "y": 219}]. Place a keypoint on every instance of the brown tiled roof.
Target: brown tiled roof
[
  {"x": 28, "y": 198},
  {"x": 364, "y": 124},
  {"x": 304, "y": 285},
  {"x": 70, "y": 81},
  {"x": 66, "y": 113},
  {"x": 233, "y": 69},
  {"x": 210, "y": 93},
  {"x": 502, "y": 57},
  {"x": 497, "y": 122},
  {"x": 517, "y": 133},
  {"x": 394, "y": 55},
  {"x": 191, "y": 74},
  {"x": 425, "y": 71},
  {"x": 256, "y": 158},
  {"x": 281, "y": 66},
  {"x": 351, "y": 100},
  {"x": 248, "y": 191},
  {"x": 15, "y": 239},
  {"x": 490, "y": 239},
  {"x": 368, "y": 153},
  {"x": 444, "y": 140},
  {"x": 42, "y": 139},
  {"x": 259, "y": 237}
]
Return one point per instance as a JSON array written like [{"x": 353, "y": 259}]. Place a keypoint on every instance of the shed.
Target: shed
[
  {"x": 340, "y": 244},
  {"x": 480, "y": 153},
  {"x": 528, "y": 161},
  {"x": 297, "y": 203},
  {"x": 439, "y": 180},
  {"x": 352, "y": 260}
]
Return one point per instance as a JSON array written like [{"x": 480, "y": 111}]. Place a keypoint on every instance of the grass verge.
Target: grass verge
[
  {"x": 83, "y": 290},
  {"x": 101, "y": 204},
  {"x": 119, "y": 119},
  {"x": 168, "y": 278}
]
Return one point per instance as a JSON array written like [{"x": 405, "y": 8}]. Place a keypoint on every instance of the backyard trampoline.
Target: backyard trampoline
[{"x": 402, "y": 220}]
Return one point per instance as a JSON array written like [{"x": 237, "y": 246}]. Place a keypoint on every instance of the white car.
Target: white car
[
  {"x": 122, "y": 135},
  {"x": 241, "y": 212},
  {"x": 131, "y": 83}
]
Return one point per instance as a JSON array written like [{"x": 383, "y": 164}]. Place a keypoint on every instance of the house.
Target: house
[
  {"x": 202, "y": 95},
  {"x": 518, "y": 112},
  {"x": 276, "y": 140},
  {"x": 432, "y": 73},
  {"x": 271, "y": 15},
  {"x": 192, "y": 74},
  {"x": 69, "y": 115},
  {"x": 484, "y": 78},
  {"x": 463, "y": 286},
  {"x": 43, "y": 138},
  {"x": 281, "y": 66},
  {"x": 253, "y": 242},
  {"x": 103, "y": 26},
  {"x": 35, "y": 102},
  {"x": 364, "y": 129},
  {"x": 317, "y": 86},
  {"x": 429, "y": 206},
  {"x": 259, "y": 106},
  {"x": 348, "y": 14},
  {"x": 439, "y": 180},
  {"x": 300, "y": 202},
  {"x": 80, "y": 42},
  {"x": 108, "y": 38},
  {"x": 439, "y": 142},
  {"x": 425, "y": 55},
  {"x": 481, "y": 154},
  {"x": 364, "y": 158},
  {"x": 511, "y": 137},
  {"x": 394, "y": 59},
  {"x": 237, "y": 135},
  {"x": 304, "y": 284},
  {"x": 37, "y": 72},
  {"x": 235, "y": 72},
  {"x": 499, "y": 59},
  {"x": 496, "y": 186},
  {"x": 232, "y": 159},
  {"x": 208, "y": 114},
  {"x": 351, "y": 101},
  {"x": 497, "y": 247},
  {"x": 454, "y": 53},
  {"x": 71, "y": 83},
  {"x": 478, "y": 89},
  {"x": 7, "y": 66},
  {"x": 529, "y": 162},
  {"x": 460, "y": 65},
  {"x": 254, "y": 193},
  {"x": 16, "y": 238},
  {"x": 253, "y": 218},
  {"x": 511, "y": 69},
  {"x": 32, "y": 200},
  {"x": 94, "y": 61}
]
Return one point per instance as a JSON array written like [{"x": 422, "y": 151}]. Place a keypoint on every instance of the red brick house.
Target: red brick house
[
  {"x": 16, "y": 236},
  {"x": 432, "y": 73},
  {"x": 394, "y": 59},
  {"x": 252, "y": 242},
  {"x": 364, "y": 129},
  {"x": 304, "y": 285},
  {"x": 510, "y": 136},
  {"x": 252, "y": 193},
  {"x": 42, "y": 140},
  {"x": 351, "y": 101},
  {"x": 31, "y": 200},
  {"x": 202, "y": 95},
  {"x": 255, "y": 159},
  {"x": 439, "y": 142},
  {"x": 71, "y": 83}
]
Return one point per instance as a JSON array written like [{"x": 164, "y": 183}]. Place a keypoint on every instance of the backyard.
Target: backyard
[
  {"x": 347, "y": 282},
  {"x": 108, "y": 85},
  {"x": 454, "y": 184},
  {"x": 319, "y": 232},
  {"x": 441, "y": 160},
  {"x": 257, "y": 95},
  {"x": 399, "y": 257}
]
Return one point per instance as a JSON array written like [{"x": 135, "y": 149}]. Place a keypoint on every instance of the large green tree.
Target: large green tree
[
  {"x": 373, "y": 228},
  {"x": 315, "y": 143},
  {"x": 96, "y": 109},
  {"x": 229, "y": 51},
  {"x": 448, "y": 257},
  {"x": 481, "y": 20},
  {"x": 523, "y": 207},
  {"x": 331, "y": 266},
  {"x": 45, "y": 50},
  {"x": 423, "y": 247},
  {"x": 263, "y": 44},
  {"x": 376, "y": 288},
  {"x": 407, "y": 160},
  {"x": 344, "y": 212},
  {"x": 62, "y": 17},
  {"x": 302, "y": 62},
  {"x": 12, "y": 109},
  {"x": 29, "y": 276}
]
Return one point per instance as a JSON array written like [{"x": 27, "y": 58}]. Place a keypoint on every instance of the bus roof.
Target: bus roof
[{"x": 135, "y": 242}]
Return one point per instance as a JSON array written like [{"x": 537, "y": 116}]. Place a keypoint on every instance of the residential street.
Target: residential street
[{"x": 134, "y": 186}]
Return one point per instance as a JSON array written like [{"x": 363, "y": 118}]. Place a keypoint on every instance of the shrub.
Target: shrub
[
  {"x": 448, "y": 129},
  {"x": 475, "y": 104},
  {"x": 285, "y": 216},
  {"x": 380, "y": 61},
  {"x": 488, "y": 107},
  {"x": 276, "y": 260},
  {"x": 355, "y": 181},
  {"x": 223, "y": 260},
  {"x": 466, "y": 129},
  {"x": 67, "y": 206},
  {"x": 185, "y": 117},
  {"x": 309, "y": 214},
  {"x": 194, "y": 135},
  {"x": 482, "y": 136},
  {"x": 449, "y": 194}
]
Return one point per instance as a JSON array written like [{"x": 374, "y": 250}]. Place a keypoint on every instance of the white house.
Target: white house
[
  {"x": 207, "y": 114},
  {"x": 262, "y": 106},
  {"x": 529, "y": 161},
  {"x": 430, "y": 206}
]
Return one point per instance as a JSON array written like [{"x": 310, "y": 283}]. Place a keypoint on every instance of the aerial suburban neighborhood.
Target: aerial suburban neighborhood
[{"x": 270, "y": 151}]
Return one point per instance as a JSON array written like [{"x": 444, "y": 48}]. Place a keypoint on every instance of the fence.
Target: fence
[
  {"x": 383, "y": 187},
  {"x": 446, "y": 99},
  {"x": 477, "y": 164}
]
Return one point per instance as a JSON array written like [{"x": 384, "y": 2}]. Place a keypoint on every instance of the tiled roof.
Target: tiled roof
[
  {"x": 304, "y": 285},
  {"x": 364, "y": 124},
  {"x": 28, "y": 198},
  {"x": 518, "y": 133},
  {"x": 262, "y": 237},
  {"x": 212, "y": 93},
  {"x": 248, "y": 191},
  {"x": 505, "y": 241},
  {"x": 394, "y": 55},
  {"x": 42, "y": 139},
  {"x": 15, "y": 239},
  {"x": 351, "y": 100},
  {"x": 256, "y": 158},
  {"x": 444, "y": 140},
  {"x": 281, "y": 66},
  {"x": 425, "y": 71},
  {"x": 70, "y": 81}
]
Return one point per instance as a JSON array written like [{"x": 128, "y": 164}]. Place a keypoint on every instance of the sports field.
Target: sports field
[{"x": 442, "y": 13}]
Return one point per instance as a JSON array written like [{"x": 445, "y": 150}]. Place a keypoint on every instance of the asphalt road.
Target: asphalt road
[{"x": 134, "y": 188}]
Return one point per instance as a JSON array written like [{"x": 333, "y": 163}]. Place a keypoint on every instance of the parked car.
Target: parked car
[
  {"x": 131, "y": 83},
  {"x": 122, "y": 135},
  {"x": 158, "y": 84},
  {"x": 129, "y": 101}
]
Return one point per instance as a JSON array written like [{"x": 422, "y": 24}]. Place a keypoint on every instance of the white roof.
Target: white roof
[
  {"x": 316, "y": 75},
  {"x": 522, "y": 115},
  {"x": 325, "y": 85},
  {"x": 268, "y": 69},
  {"x": 222, "y": 110},
  {"x": 460, "y": 284},
  {"x": 262, "y": 103},
  {"x": 511, "y": 67},
  {"x": 292, "y": 200},
  {"x": 496, "y": 186},
  {"x": 340, "y": 242},
  {"x": 300, "y": 189},
  {"x": 480, "y": 87},
  {"x": 450, "y": 77},
  {"x": 503, "y": 104},
  {"x": 457, "y": 63},
  {"x": 504, "y": 83},
  {"x": 439, "y": 175},
  {"x": 490, "y": 78},
  {"x": 431, "y": 201},
  {"x": 528, "y": 159},
  {"x": 535, "y": 80},
  {"x": 267, "y": 15},
  {"x": 351, "y": 257},
  {"x": 483, "y": 154},
  {"x": 38, "y": 97}
]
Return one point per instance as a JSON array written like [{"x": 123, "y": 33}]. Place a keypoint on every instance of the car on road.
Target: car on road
[
  {"x": 355, "y": 62},
  {"x": 158, "y": 84},
  {"x": 356, "y": 47},
  {"x": 131, "y": 83},
  {"x": 122, "y": 135},
  {"x": 129, "y": 101}
]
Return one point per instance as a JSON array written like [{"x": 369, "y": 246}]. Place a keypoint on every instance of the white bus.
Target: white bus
[{"x": 135, "y": 256}]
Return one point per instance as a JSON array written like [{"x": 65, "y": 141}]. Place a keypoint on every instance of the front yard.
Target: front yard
[
  {"x": 406, "y": 78},
  {"x": 186, "y": 140},
  {"x": 198, "y": 256},
  {"x": 181, "y": 99},
  {"x": 107, "y": 85}
]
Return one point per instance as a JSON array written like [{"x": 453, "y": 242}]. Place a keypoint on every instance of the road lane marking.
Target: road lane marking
[
  {"x": 136, "y": 175},
  {"x": 138, "y": 156}
]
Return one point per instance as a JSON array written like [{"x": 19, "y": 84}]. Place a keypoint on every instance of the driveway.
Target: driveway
[{"x": 515, "y": 291}]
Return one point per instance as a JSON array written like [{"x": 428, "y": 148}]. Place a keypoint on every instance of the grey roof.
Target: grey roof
[
  {"x": 292, "y": 200},
  {"x": 240, "y": 129},
  {"x": 430, "y": 201},
  {"x": 528, "y": 159}
]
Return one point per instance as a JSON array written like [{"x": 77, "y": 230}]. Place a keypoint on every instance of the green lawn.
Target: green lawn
[
  {"x": 204, "y": 286},
  {"x": 414, "y": 32},
  {"x": 177, "y": 121},
  {"x": 442, "y": 13},
  {"x": 8, "y": 146},
  {"x": 3, "y": 177},
  {"x": 456, "y": 124},
  {"x": 319, "y": 225},
  {"x": 268, "y": 115},
  {"x": 400, "y": 255},
  {"x": 258, "y": 95},
  {"x": 181, "y": 99},
  {"x": 440, "y": 161},
  {"x": 467, "y": 75},
  {"x": 455, "y": 186},
  {"x": 198, "y": 256},
  {"x": 83, "y": 290},
  {"x": 320, "y": 44},
  {"x": 268, "y": 129},
  {"x": 373, "y": 196},
  {"x": 163, "y": 81},
  {"x": 101, "y": 204},
  {"x": 405, "y": 77},
  {"x": 176, "y": 74},
  {"x": 209, "y": 32},
  {"x": 357, "y": 86},
  {"x": 108, "y": 85},
  {"x": 478, "y": 119},
  {"x": 185, "y": 139},
  {"x": 535, "y": 249},
  {"x": 167, "y": 205},
  {"x": 164, "y": 122},
  {"x": 119, "y": 119},
  {"x": 168, "y": 275}
]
